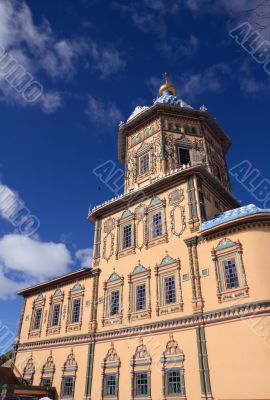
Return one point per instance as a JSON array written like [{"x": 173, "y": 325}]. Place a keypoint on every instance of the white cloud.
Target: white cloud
[
  {"x": 211, "y": 80},
  {"x": 102, "y": 113},
  {"x": 38, "y": 50},
  {"x": 85, "y": 257},
  {"x": 33, "y": 257},
  {"x": 25, "y": 261},
  {"x": 106, "y": 61}
]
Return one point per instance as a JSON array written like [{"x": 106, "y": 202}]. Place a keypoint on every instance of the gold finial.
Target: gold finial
[{"x": 167, "y": 86}]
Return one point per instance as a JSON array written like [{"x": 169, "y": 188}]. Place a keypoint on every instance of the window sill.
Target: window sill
[
  {"x": 233, "y": 294},
  {"x": 53, "y": 330},
  {"x": 34, "y": 333},
  {"x": 169, "y": 309},
  {"x": 74, "y": 327},
  {"x": 126, "y": 252},
  {"x": 112, "y": 320},
  {"x": 157, "y": 240},
  {"x": 142, "y": 314}
]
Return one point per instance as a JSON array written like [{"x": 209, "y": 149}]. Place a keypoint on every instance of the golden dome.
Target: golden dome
[{"x": 167, "y": 86}]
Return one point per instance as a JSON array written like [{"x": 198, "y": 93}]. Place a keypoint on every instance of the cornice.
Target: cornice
[
  {"x": 60, "y": 281},
  {"x": 120, "y": 203}
]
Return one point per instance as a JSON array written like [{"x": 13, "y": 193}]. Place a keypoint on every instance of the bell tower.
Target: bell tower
[{"x": 172, "y": 138}]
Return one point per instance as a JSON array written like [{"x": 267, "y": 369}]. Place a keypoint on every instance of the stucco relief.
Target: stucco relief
[
  {"x": 108, "y": 240},
  {"x": 177, "y": 214}
]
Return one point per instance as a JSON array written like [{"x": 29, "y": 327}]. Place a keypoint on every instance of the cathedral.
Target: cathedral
[{"x": 176, "y": 303}]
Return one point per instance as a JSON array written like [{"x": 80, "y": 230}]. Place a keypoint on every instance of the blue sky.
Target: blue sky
[{"x": 96, "y": 61}]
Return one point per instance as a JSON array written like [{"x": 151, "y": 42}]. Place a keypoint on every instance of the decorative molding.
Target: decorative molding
[{"x": 232, "y": 313}]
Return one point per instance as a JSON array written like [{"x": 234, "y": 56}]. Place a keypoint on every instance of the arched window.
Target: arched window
[
  {"x": 47, "y": 372},
  {"x": 37, "y": 315},
  {"x": 29, "y": 371},
  {"x": 110, "y": 374},
  {"x": 69, "y": 376},
  {"x": 139, "y": 293},
  {"x": 173, "y": 378},
  {"x": 75, "y": 308},
  {"x": 141, "y": 373}
]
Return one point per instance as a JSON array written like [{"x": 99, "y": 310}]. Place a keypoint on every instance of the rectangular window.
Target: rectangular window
[
  {"x": 230, "y": 272},
  {"x": 173, "y": 382},
  {"x": 140, "y": 297},
  {"x": 127, "y": 236},
  {"x": 183, "y": 156},
  {"x": 76, "y": 309},
  {"x": 141, "y": 384},
  {"x": 115, "y": 302},
  {"x": 56, "y": 315},
  {"x": 157, "y": 224},
  {"x": 144, "y": 163},
  {"x": 46, "y": 382},
  {"x": 68, "y": 386},
  {"x": 170, "y": 295},
  {"x": 110, "y": 388},
  {"x": 37, "y": 320}
]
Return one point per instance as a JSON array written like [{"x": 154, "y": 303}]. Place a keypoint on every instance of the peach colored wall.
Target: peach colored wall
[{"x": 239, "y": 359}]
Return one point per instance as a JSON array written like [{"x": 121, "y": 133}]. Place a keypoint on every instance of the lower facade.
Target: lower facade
[{"x": 222, "y": 355}]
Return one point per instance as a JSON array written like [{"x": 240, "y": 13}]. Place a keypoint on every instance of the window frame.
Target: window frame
[
  {"x": 227, "y": 250},
  {"x": 141, "y": 395},
  {"x": 166, "y": 269},
  {"x": 186, "y": 149},
  {"x": 110, "y": 367},
  {"x": 140, "y": 157},
  {"x": 140, "y": 276},
  {"x": 127, "y": 218},
  {"x": 38, "y": 304},
  {"x": 75, "y": 293},
  {"x": 63, "y": 395},
  {"x": 156, "y": 206},
  {"x": 113, "y": 284},
  {"x": 56, "y": 299}
]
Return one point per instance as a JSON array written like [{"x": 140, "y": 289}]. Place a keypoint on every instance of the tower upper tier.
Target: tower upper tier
[{"x": 171, "y": 135}]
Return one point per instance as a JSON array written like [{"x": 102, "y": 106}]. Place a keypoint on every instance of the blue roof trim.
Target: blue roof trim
[
  {"x": 155, "y": 201},
  {"x": 126, "y": 214},
  {"x": 138, "y": 269},
  {"x": 58, "y": 292},
  {"x": 223, "y": 244},
  {"x": 170, "y": 99},
  {"x": 231, "y": 215},
  {"x": 114, "y": 277},
  {"x": 167, "y": 260},
  {"x": 77, "y": 286}
]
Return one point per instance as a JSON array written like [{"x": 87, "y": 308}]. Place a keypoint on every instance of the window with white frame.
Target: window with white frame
[
  {"x": 127, "y": 236},
  {"x": 169, "y": 291},
  {"x": 126, "y": 229},
  {"x": 230, "y": 271},
  {"x": 144, "y": 163},
  {"x": 69, "y": 377},
  {"x": 157, "y": 228},
  {"x": 157, "y": 224},
  {"x": 110, "y": 374},
  {"x": 139, "y": 293},
  {"x": 141, "y": 376},
  {"x": 37, "y": 315},
  {"x": 172, "y": 361},
  {"x": 113, "y": 300},
  {"x": 75, "y": 311},
  {"x": 54, "y": 320}
]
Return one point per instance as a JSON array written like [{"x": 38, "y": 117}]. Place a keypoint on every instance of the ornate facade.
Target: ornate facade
[{"x": 176, "y": 304}]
